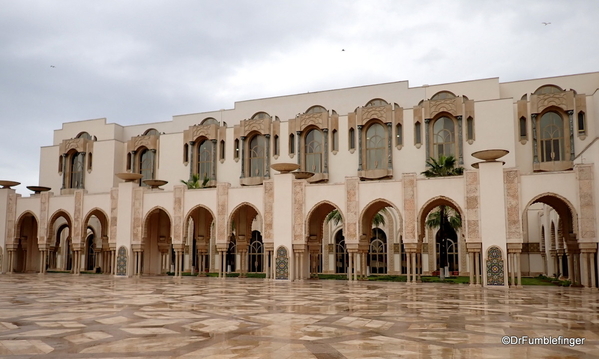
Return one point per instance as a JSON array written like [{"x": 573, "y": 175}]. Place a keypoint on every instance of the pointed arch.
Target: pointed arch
[
  {"x": 18, "y": 223},
  {"x": 372, "y": 208},
  {"x": 102, "y": 217},
  {"x": 56, "y": 215},
  {"x": 147, "y": 218},
  {"x": 429, "y": 206},
  {"x": 568, "y": 218}
]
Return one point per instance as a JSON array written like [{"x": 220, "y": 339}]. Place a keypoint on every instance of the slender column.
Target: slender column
[
  {"x": 409, "y": 267},
  {"x": 460, "y": 141},
  {"x": 364, "y": 267},
  {"x": 571, "y": 275},
  {"x": 584, "y": 272},
  {"x": 267, "y": 155},
  {"x": 389, "y": 147},
  {"x": 426, "y": 140},
  {"x": 325, "y": 165},
  {"x": 133, "y": 161},
  {"x": 560, "y": 262},
  {"x": 359, "y": 147},
  {"x": 192, "y": 163},
  {"x": 471, "y": 258},
  {"x": 593, "y": 279},
  {"x": 356, "y": 266},
  {"x": 350, "y": 268},
  {"x": 477, "y": 267},
  {"x": 535, "y": 150},
  {"x": 64, "y": 171},
  {"x": 83, "y": 170},
  {"x": 519, "y": 273},
  {"x": 242, "y": 138},
  {"x": 414, "y": 267},
  {"x": 298, "y": 135},
  {"x": 571, "y": 125},
  {"x": 214, "y": 160},
  {"x": 512, "y": 269}
]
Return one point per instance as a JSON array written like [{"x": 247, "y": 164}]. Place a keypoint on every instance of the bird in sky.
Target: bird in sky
[
  {"x": 342, "y": 49},
  {"x": 546, "y": 23},
  {"x": 52, "y": 66}
]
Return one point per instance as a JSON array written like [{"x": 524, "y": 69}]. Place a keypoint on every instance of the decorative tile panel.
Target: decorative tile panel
[
  {"x": 282, "y": 263},
  {"x": 495, "y": 266},
  {"x": 121, "y": 261}
]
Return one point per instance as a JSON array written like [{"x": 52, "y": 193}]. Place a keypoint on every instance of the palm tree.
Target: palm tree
[
  {"x": 444, "y": 166},
  {"x": 377, "y": 220},
  {"x": 444, "y": 216},
  {"x": 194, "y": 182}
]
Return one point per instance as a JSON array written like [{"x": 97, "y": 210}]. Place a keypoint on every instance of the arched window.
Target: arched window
[
  {"x": 236, "y": 149},
  {"x": 76, "y": 167},
  {"x": 84, "y": 135},
  {"x": 291, "y": 143},
  {"x": 256, "y": 253},
  {"x": 341, "y": 255},
  {"x": 186, "y": 153},
  {"x": 257, "y": 156},
  {"x": 205, "y": 160},
  {"x": 443, "y": 137},
  {"x": 398, "y": 135},
  {"x": 335, "y": 140},
  {"x": 146, "y": 164},
  {"x": 375, "y": 147},
  {"x": 470, "y": 129},
  {"x": 222, "y": 149},
  {"x": 417, "y": 133},
  {"x": 352, "y": 139},
  {"x": 552, "y": 137},
  {"x": 316, "y": 109},
  {"x": 152, "y": 132},
  {"x": 376, "y": 102},
  {"x": 314, "y": 151},
  {"x": 276, "y": 145},
  {"x": 209, "y": 121},
  {"x": 523, "y": 132},
  {"x": 443, "y": 95},
  {"x": 548, "y": 89},
  {"x": 582, "y": 128}
]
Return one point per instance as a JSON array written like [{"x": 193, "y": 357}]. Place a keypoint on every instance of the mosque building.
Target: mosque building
[{"x": 326, "y": 182}]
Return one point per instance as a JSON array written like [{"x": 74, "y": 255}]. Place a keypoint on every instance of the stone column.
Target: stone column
[
  {"x": 571, "y": 125},
  {"x": 514, "y": 250},
  {"x": 133, "y": 170},
  {"x": 359, "y": 147},
  {"x": 192, "y": 162},
  {"x": 460, "y": 141},
  {"x": 298, "y": 135},
  {"x": 426, "y": 140},
  {"x": 325, "y": 165},
  {"x": 64, "y": 171},
  {"x": 471, "y": 262},
  {"x": 535, "y": 150},
  {"x": 389, "y": 147},
  {"x": 214, "y": 160},
  {"x": 242, "y": 138},
  {"x": 267, "y": 155},
  {"x": 350, "y": 267}
]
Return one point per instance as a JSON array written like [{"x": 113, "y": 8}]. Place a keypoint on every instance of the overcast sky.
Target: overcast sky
[{"x": 145, "y": 61}]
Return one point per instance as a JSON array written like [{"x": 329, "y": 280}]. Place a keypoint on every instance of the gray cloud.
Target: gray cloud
[{"x": 143, "y": 61}]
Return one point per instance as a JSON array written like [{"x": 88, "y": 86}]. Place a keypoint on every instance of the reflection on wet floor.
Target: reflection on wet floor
[{"x": 65, "y": 316}]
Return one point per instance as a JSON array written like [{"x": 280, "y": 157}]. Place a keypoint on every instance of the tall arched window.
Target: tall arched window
[
  {"x": 204, "y": 165},
  {"x": 552, "y": 137},
  {"x": 314, "y": 151},
  {"x": 352, "y": 138},
  {"x": 335, "y": 140},
  {"x": 257, "y": 156},
  {"x": 375, "y": 147},
  {"x": 398, "y": 135},
  {"x": 291, "y": 143},
  {"x": 378, "y": 252},
  {"x": 76, "y": 166},
  {"x": 443, "y": 137},
  {"x": 146, "y": 164}
]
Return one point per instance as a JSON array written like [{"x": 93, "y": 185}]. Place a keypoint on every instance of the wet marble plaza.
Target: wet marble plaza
[{"x": 97, "y": 316}]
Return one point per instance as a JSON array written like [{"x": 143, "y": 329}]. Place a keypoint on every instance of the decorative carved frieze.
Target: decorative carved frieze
[
  {"x": 584, "y": 175},
  {"x": 149, "y": 141},
  {"x": 512, "y": 203},
  {"x": 409, "y": 206},
  {"x": 298, "y": 210},
  {"x": 269, "y": 201}
]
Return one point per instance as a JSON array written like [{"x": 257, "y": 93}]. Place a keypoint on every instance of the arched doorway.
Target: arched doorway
[
  {"x": 341, "y": 255},
  {"x": 561, "y": 247},
  {"x": 99, "y": 256},
  {"x": 157, "y": 244},
  {"x": 26, "y": 254},
  {"x": 440, "y": 228},
  {"x": 199, "y": 238},
  {"x": 61, "y": 256},
  {"x": 323, "y": 214},
  {"x": 380, "y": 225},
  {"x": 243, "y": 222}
]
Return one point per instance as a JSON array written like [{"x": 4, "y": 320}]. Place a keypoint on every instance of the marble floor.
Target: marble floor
[{"x": 96, "y": 316}]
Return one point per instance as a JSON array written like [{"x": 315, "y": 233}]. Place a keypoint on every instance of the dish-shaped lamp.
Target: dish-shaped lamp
[
  {"x": 155, "y": 183},
  {"x": 129, "y": 177},
  {"x": 38, "y": 189},
  {"x": 8, "y": 184},
  {"x": 285, "y": 167},
  {"x": 490, "y": 155}
]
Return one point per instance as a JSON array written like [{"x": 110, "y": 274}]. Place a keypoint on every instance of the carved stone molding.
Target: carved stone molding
[
  {"x": 298, "y": 210},
  {"x": 148, "y": 141},
  {"x": 584, "y": 175},
  {"x": 114, "y": 205},
  {"x": 269, "y": 201},
  {"x": 472, "y": 206},
  {"x": 409, "y": 206},
  {"x": 511, "y": 181}
]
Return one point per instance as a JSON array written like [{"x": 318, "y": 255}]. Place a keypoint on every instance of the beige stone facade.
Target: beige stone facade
[{"x": 360, "y": 154}]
